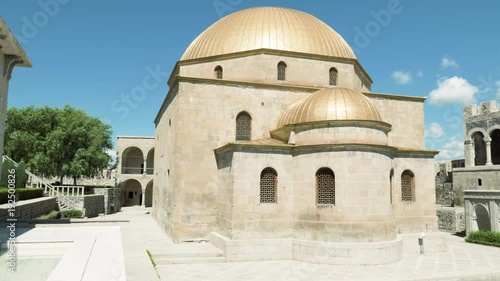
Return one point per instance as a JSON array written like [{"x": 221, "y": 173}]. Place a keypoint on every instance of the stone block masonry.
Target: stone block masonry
[
  {"x": 93, "y": 204},
  {"x": 451, "y": 219},
  {"x": 112, "y": 203},
  {"x": 30, "y": 209}
]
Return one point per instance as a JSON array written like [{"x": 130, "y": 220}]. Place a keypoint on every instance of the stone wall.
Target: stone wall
[
  {"x": 112, "y": 202},
  {"x": 451, "y": 219},
  {"x": 30, "y": 209},
  {"x": 474, "y": 178},
  {"x": 93, "y": 204},
  {"x": 444, "y": 194}
]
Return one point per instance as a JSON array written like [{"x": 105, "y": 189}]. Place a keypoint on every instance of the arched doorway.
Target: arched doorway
[
  {"x": 149, "y": 195},
  {"x": 479, "y": 149},
  {"x": 495, "y": 147},
  {"x": 131, "y": 193},
  {"x": 482, "y": 218},
  {"x": 132, "y": 161},
  {"x": 150, "y": 163}
]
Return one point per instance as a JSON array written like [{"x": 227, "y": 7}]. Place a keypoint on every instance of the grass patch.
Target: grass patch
[
  {"x": 71, "y": 214},
  {"x": 66, "y": 214},
  {"x": 151, "y": 258},
  {"x": 152, "y": 261},
  {"x": 488, "y": 238},
  {"x": 50, "y": 216}
]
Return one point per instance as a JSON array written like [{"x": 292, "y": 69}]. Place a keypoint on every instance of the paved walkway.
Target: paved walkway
[{"x": 463, "y": 261}]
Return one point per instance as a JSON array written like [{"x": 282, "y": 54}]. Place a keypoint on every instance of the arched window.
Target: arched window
[
  {"x": 495, "y": 147},
  {"x": 268, "y": 182},
  {"x": 391, "y": 177},
  {"x": 218, "y": 72},
  {"x": 243, "y": 127},
  {"x": 479, "y": 149},
  {"x": 333, "y": 76},
  {"x": 281, "y": 71},
  {"x": 407, "y": 186},
  {"x": 325, "y": 185}
]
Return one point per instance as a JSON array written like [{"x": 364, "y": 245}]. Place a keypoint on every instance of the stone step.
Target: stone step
[
  {"x": 167, "y": 261},
  {"x": 187, "y": 250}
]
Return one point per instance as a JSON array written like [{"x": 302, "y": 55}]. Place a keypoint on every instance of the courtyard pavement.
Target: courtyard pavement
[
  {"x": 139, "y": 232},
  {"x": 463, "y": 261}
]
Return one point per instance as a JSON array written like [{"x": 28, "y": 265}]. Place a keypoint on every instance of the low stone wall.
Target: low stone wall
[
  {"x": 112, "y": 202},
  {"x": 451, "y": 219},
  {"x": 93, "y": 204},
  {"x": 30, "y": 209}
]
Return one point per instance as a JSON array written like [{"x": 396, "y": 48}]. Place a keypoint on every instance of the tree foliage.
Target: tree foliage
[
  {"x": 63, "y": 142},
  {"x": 7, "y": 165},
  {"x": 21, "y": 175}
]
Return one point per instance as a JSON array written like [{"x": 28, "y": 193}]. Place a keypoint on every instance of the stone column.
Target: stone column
[
  {"x": 143, "y": 196},
  {"x": 488, "y": 153},
  {"x": 469, "y": 220},
  {"x": 469, "y": 153},
  {"x": 493, "y": 216},
  {"x": 145, "y": 163}
]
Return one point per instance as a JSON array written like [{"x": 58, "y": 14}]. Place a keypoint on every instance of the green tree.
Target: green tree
[
  {"x": 21, "y": 175},
  {"x": 58, "y": 141},
  {"x": 7, "y": 166}
]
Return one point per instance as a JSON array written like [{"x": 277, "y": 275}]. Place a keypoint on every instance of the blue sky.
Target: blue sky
[{"x": 94, "y": 54}]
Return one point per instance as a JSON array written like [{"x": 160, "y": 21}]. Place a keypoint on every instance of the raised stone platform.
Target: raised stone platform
[{"x": 370, "y": 253}]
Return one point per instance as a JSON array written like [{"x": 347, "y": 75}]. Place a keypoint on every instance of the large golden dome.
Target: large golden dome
[
  {"x": 330, "y": 104},
  {"x": 269, "y": 28}
]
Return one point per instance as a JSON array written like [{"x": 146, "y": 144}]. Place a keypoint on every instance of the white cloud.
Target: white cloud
[
  {"x": 453, "y": 149},
  {"x": 420, "y": 73},
  {"x": 454, "y": 90},
  {"x": 401, "y": 77},
  {"x": 448, "y": 63},
  {"x": 435, "y": 131}
]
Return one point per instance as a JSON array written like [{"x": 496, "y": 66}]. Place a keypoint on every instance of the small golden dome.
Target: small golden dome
[
  {"x": 330, "y": 104},
  {"x": 269, "y": 28}
]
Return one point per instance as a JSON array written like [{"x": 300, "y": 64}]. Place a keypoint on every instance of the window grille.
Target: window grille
[
  {"x": 218, "y": 72},
  {"x": 407, "y": 186},
  {"x": 281, "y": 71},
  {"x": 325, "y": 182},
  {"x": 268, "y": 180},
  {"x": 333, "y": 76},
  {"x": 243, "y": 127}
]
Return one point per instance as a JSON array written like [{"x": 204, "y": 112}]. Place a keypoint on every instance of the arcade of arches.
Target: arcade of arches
[
  {"x": 135, "y": 170},
  {"x": 134, "y": 195},
  {"x": 486, "y": 148},
  {"x": 134, "y": 161}
]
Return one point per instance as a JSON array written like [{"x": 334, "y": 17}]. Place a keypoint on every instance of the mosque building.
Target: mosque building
[{"x": 271, "y": 145}]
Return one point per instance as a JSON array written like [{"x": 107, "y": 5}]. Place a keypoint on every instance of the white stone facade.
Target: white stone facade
[
  {"x": 207, "y": 185},
  {"x": 482, "y": 209},
  {"x": 11, "y": 55}
]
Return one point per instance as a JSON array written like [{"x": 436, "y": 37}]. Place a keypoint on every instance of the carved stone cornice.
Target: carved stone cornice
[
  {"x": 481, "y": 194},
  {"x": 10, "y": 62}
]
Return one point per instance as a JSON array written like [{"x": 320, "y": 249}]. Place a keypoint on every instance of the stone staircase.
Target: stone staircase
[
  {"x": 188, "y": 253},
  {"x": 59, "y": 192}
]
